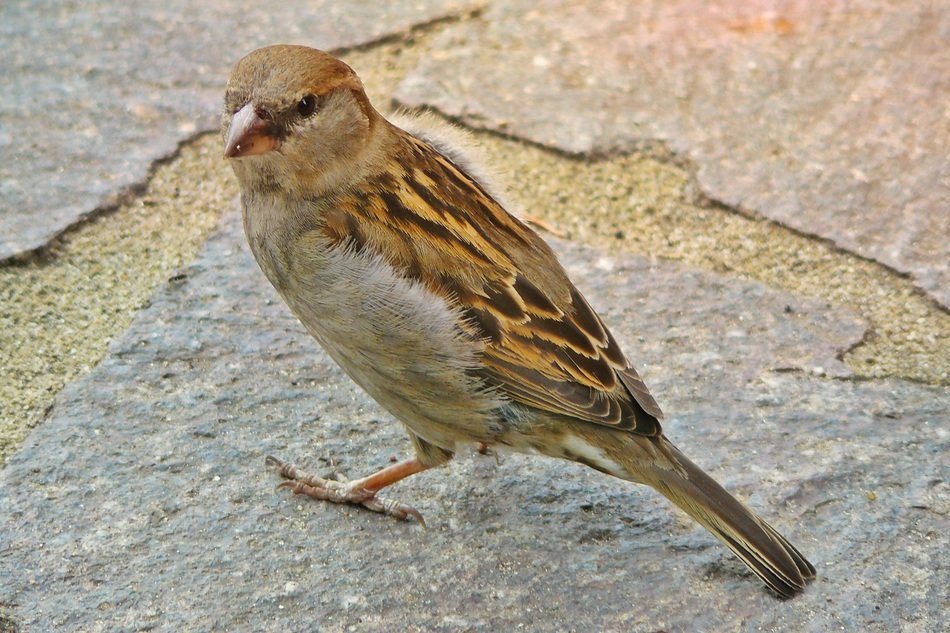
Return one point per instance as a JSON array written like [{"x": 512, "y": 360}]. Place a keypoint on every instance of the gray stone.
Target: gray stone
[
  {"x": 95, "y": 92},
  {"x": 143, "y": 501},
  {"x": 828, "y": 118}
]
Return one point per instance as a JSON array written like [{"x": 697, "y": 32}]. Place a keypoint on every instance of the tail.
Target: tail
[{"x": 755, "y": 542}]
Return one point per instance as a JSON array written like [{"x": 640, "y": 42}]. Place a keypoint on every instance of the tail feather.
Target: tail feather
[{"x": 767, "y": 553}]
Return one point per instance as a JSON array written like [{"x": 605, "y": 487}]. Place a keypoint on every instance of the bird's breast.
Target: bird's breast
[{"x": 400, "y": 342}]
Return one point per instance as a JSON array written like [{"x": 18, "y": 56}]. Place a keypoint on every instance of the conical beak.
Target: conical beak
[{"x": 249, "y": 134}]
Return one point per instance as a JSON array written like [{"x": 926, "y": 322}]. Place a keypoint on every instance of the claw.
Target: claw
[
  {"x": 300, "y": 482},
  {"x": 393, "y": 508}
]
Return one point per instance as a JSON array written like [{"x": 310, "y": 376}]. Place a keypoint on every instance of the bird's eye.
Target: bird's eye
[{"x": 307, "y": 105}]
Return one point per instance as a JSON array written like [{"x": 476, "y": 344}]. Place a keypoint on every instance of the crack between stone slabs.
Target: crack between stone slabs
[
  {"x": 799, "y": 371},
  {"x": 46, "y": 252},
  {"x": 703, "y": 200},
  {"x": 853, "y": 378},
  {"x": 408, "y": 34},
  {"x": 650, "y": 148}
]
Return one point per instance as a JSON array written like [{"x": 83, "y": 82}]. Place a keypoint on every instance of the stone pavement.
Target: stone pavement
[
  {"x": 142, "y": 503},
  {"x": 819, "y": 115}
]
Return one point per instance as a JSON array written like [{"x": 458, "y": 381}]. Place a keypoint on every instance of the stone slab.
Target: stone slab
[
  {"x": 143, "y": 503},
  {"x": 825, "y": 116},
  {"x": 94, "y": 92}
]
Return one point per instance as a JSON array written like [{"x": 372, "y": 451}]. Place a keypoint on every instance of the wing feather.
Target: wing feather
[{"x": 545, "y": 347}]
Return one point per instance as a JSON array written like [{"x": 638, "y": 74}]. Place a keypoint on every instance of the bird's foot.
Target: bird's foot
[{"x": 358, "y": 492}]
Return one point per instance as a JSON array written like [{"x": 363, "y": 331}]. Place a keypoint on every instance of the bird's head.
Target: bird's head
[{"x": 295, "y": 118}]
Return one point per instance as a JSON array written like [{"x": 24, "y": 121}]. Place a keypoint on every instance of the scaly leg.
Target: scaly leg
[{"x": 360, "y": 491}]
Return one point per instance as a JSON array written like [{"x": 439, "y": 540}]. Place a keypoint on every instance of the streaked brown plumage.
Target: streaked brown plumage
[{"x": 392, "y": 248}]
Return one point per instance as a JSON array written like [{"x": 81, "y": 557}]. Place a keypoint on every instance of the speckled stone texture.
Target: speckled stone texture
[
  {"x": 142, "y": 503},
  {"x": 94, "y": 92},
  {"x": 828, "y": 117}
]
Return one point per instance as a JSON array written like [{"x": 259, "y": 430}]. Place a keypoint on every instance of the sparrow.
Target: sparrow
[{"x": 392, "y": 247}]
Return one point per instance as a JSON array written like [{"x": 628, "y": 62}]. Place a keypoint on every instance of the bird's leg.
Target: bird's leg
[{"x": 359, "y": 491}]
